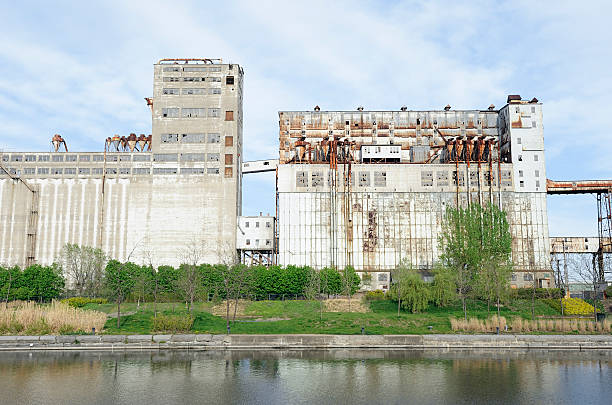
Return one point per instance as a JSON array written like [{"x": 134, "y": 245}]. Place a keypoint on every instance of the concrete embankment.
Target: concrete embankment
[{"x": 306, "y": 342}]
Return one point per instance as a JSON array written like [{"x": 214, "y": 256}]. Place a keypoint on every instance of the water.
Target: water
[{"x": 318, "y": 377}]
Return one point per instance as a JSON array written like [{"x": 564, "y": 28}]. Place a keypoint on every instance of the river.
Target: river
[{"x": 316, "y": 377}]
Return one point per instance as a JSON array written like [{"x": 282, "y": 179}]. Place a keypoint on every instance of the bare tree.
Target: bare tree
[
  {"x": 148, "y": 258},
  {"x": 84, "y": 267},
  {"x": 190, "y": 280},
  {"x": 584, "y": 269},
  {"x": 237, "y": 279}
]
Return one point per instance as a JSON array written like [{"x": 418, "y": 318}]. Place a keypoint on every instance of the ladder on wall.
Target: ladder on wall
[{"x": 32, "y": 228}]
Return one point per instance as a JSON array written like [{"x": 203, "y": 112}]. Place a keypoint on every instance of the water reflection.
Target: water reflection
[{"x": 338, "y": 376}]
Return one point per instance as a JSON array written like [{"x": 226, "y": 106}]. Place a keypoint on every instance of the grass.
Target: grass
[{"x": 295, "y": 317}]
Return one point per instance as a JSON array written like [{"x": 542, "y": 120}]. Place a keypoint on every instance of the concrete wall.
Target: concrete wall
[{"x": 151, "y": 213}]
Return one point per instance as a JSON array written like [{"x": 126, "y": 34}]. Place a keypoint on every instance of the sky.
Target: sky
[{"x": 82, "y": 69}]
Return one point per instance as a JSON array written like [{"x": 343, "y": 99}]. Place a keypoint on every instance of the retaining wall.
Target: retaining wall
[{"x": 305, "y": 342}]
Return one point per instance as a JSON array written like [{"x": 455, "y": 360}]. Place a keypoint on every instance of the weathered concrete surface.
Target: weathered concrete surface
[{"x": 306, "y": 342}]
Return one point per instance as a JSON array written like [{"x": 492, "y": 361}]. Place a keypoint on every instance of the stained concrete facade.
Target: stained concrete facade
[
  {"x": 382, "y": 195},
  {"x": 186, "y": 190}
]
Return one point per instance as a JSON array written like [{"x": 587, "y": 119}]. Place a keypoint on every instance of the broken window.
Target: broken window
[
  {"x": 125, "y": 170},
  {"x": 215, "y": 69},
  {"x": 194, "y": 92},
  {"x": 16, "y": 158},
  {"x": 165, "y": 157},
  {"x": 229, "y": 80},
  {"x": 214, "y": 112},
  {"x": 317, "y": 179},
  {"x": 192, "y": 157},
  {"x": 248, "y": 242},
  {"x": 533, "y": 124},
  {"x": 229, "y": 141},
  {"x": 537, "y": 183},
  {"x": 246, "y": 224},
  {"x": 111, "y": 170},
  {"x": 193, "y": 79},
  {"x": 520, "y": 173},
  {"x": 268, "y": 224},
  {"x": 165, "y": 170},
  {"x": 268, "y": 242},
  {"x": 212, "y": 157},
  {"x": 537, "y": 173},
  {"x": 30, "y": 158},
  {"x": 518, "y": 140},
  {"x": 513, "y": 276},
  {"x": 257, "y": 224},
  {"x": 364, "y": 179},
  {"x": 229, "y": 172},
  {"x": 535, "y": 157},
  {"x": 522, "y": 183},
  {"x": 174, "y": 92},
  {"x": 442, "y": 179},
  {"x": 301, "y": 179},
  {"x": 380, "y": 179},
  {"x": 172, "y": 69},
  {"x": 84, "y": 171},
  {"x": 43, "y": 158},
  {"x": 527, "y": 277},
  {"x": 382, "y": 277},
  {"x": 520, "y": 158},
  {"x": 142, "y": 170},
  {"x": 192, "y": 170},
  {"x": 215, "y": 90},
  {"x": 172, "y": 79},
  {"x": 170, "y": 112},
  {"x": 229, "y": 159},
  {"x": 169, "y": 138},
  {"x": 194, "y": 112},
  {"x": 427, "y": 178},
  {"x": 214, "y": 138},
  {"x": 229, "y": 116},
  {"x": 212, "y": 170},
  {"x": 193, "y": 138},
  {"x": 214, "y": 79},
  {"x": 194, "y": 69}
]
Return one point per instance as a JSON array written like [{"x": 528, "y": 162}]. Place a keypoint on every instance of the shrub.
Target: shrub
[
  {"x": 80, "y": 302},
  {"x": 376, "y": 295},
  {"x": 609, "y": 291},
  {"x": 540, "y": 293},
  {"x": 577, "y": 306},
  {"x": 172, "y": 323}
]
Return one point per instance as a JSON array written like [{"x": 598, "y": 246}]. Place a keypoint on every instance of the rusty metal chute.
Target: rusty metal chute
[{"x": 57, "y": 141}]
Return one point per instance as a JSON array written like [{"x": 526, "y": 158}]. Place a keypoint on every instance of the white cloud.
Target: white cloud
[{"x": 82, "y": 69}]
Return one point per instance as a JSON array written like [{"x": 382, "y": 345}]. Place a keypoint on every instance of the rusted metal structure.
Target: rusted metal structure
[
  {"x": 602, "y": 190},
  {"x": 370, "y": 188}
]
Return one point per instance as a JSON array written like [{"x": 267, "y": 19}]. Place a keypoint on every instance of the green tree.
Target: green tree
[
  {"x": 414, "y": 294},
  {"x": 119, "y": 280},
  {"x": 399, "y": 276},
  {"x": 313, "y": 289},
  {"x": 43, "y": 282},
  {"x": 476, "y": 246},
  {"x": 443, "y": 287},
  {"x": 350, "y": 282},
  {"x": 330, "y": 277}
]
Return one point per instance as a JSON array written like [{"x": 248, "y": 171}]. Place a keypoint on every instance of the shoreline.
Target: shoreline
[{"x": 203, "y": 342}]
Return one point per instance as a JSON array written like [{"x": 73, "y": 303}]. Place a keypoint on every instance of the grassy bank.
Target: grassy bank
[{"x": 294, "y": 317}]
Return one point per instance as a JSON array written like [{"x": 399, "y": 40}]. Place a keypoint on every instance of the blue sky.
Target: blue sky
[{"x": 81, "y": 69}]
